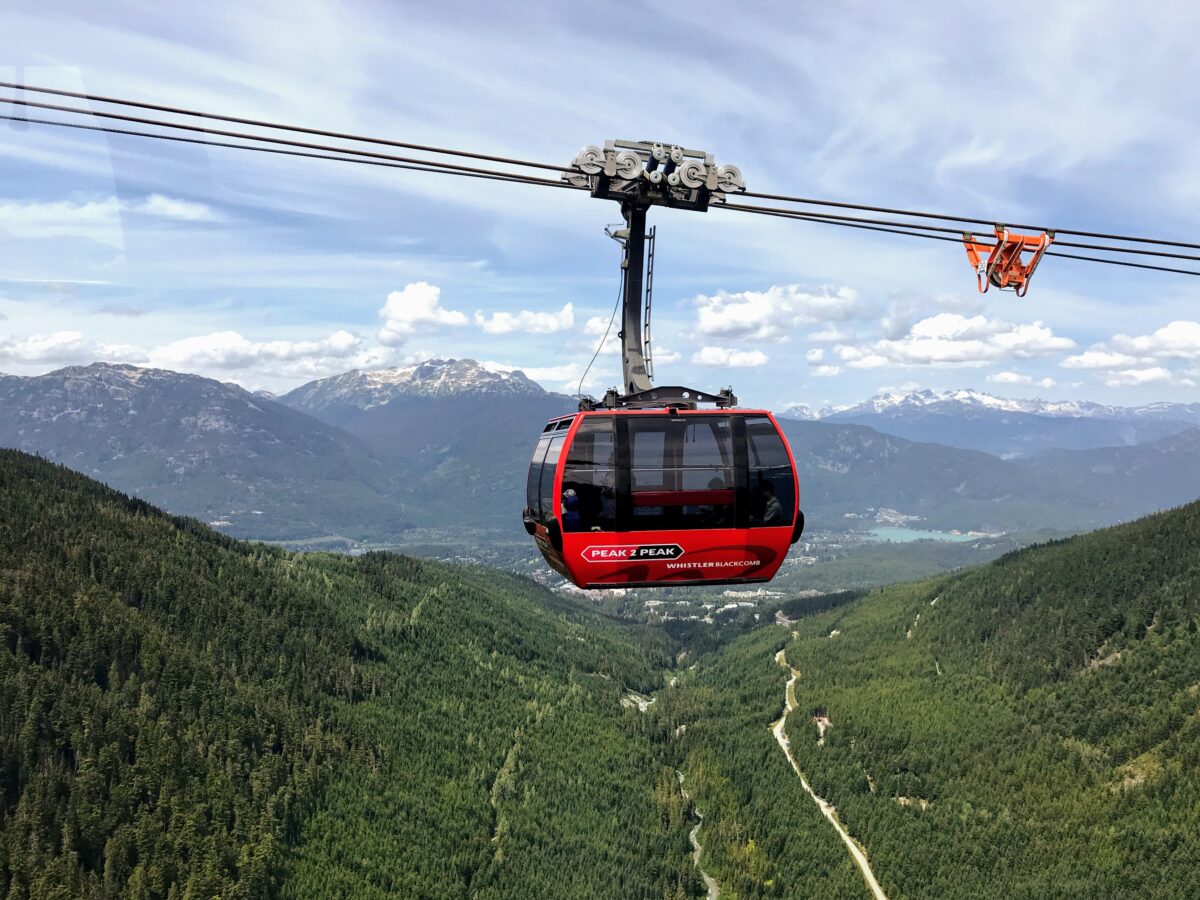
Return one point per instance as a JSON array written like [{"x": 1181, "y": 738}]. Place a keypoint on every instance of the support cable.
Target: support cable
[
  {"x": 293, "y": 128},
  {"x": 957, "y": 231},
  {"x": 809, "y": 201},
  {"x": 486, "y": 174},
  {"x": 842, "y": 221},
  {"x": 600, "y": 346},
  {"x": 346, "y": 154},
  {"x": 245, "y": 136}
]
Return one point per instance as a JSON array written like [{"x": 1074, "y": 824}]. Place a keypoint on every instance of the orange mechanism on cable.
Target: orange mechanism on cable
[{"x": 1002, "y": 263}]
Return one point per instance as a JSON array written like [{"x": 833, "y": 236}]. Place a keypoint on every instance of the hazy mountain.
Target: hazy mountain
[
  {"x": 446, "y": 445},
  {"x": 456, "y": 437},
  {"x": 1004, "y": 427},
  {"x": 199, "y": 447},
  {"x": 854, "y": 469},
  {"x": 1156, "y": 475}
]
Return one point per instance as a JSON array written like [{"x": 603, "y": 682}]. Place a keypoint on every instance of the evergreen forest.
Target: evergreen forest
[{"x": 183, "y": 715}]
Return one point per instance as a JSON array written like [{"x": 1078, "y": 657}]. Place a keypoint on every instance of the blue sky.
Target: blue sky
[{"x": 270, "y": 271}]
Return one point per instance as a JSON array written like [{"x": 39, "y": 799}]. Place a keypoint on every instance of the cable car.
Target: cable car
[
  {"x": 645, "y": 488},
  {"x": 663, "y": 496}
]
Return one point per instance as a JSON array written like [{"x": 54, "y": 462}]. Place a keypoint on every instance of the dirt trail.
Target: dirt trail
[
  {"x": 710, "y": 883},
  {"x": 827, "y": 809}
]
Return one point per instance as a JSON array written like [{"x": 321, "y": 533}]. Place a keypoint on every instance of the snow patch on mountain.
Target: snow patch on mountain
[
  {"x": 431, "y": 378},
  {"x": 966, "y": 401}
]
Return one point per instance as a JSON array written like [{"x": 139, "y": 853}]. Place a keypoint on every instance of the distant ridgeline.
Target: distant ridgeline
[
  {"x": 184, "y": 715},
  {"x": 1027, "y": 728}
]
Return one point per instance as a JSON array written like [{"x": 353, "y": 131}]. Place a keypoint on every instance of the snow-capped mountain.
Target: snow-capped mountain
[
  {"x": 799, "y": 411},
  {"x": 431, "y": 378},
  {"x": 1011, "y": 427},
  {"x": 962, "y": 401}
]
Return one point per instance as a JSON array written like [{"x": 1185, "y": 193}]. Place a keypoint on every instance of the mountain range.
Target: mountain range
[
  {"x": 197, "y": 446},
  {"x": 365, "y": 456},
  {"x": 1005, "y": 427}
]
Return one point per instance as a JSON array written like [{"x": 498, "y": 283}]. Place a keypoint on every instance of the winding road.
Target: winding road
[
  {"x": 827, "y": 809},
  {"x": 710, "y": 883}
]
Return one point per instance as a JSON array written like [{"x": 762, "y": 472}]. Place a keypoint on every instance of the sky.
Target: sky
[{"x": 270, "y": 272}]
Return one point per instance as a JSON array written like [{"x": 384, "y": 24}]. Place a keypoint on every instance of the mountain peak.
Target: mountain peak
[{"x": 429, "y": 378}]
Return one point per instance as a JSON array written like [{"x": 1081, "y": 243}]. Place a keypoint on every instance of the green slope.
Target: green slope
[
  {"x": 1058, "y": 749},
  {"x": 183, "y": 715}
]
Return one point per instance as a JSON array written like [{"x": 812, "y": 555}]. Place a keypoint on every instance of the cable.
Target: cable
[
  {"x": 294, "y": 128},
  {"x": 248, "y": 137},
  {"x": 957, "y": 231},
  {"x": 600, "y": 346},
  {"x": 973, "y": 221},
  {"x": 842, "y": 221},
  {"x": 346, "y": 154},
  {"x": 436, "y": 170}
]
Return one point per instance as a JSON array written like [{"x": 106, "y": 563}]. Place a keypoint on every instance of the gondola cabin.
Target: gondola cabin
[{"x": 656, "y": 497}]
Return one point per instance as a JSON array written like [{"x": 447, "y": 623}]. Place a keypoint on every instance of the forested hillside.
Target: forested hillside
[
  {"x": 183, "y": 715},
  {"x": 1028, "y": 728}
]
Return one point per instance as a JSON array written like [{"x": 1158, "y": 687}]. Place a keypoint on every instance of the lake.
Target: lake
[{"x": 904, "y": 535}]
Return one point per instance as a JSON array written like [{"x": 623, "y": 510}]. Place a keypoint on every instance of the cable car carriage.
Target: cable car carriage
[
  {"x": 663, "y": 496},
  {"x": 645, "y": 488}
]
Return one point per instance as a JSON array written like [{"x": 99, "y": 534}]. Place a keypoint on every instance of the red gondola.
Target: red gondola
[
  {"x": 662, "y": 497},
  {"x": 644, "y": 488}
]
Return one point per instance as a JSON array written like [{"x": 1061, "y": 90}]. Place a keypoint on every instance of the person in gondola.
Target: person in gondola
[
  {"x": 571, "y": 519},
  {"x": 772, "y": 508},
  {"x": 606, "y": 520}
]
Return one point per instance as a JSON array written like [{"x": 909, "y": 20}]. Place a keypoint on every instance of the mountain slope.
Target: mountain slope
[
  {"x": 1157, "y": 474},
  {"x": 1032, "y": 725},
  {"x": 202, "y": 448},
  {"x": 456, "y": 437},
  {"x": 851, "y": 469},
  {"x": 188, "y": 715}
]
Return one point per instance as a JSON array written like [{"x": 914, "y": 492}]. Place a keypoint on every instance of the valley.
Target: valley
[{"x": 1036, "y": 714}]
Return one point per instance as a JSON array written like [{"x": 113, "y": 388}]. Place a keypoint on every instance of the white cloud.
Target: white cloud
[
  {"x": 1098, "y": 359},
  {"x": 727, "y": 357},
  {"x": 815, "y": 355},
  {"x": 1010, "y": 378},
  {"x": 860, "y": 359},
  {"x": 827, "y": 371},
  {"x": 98, "y": 220},
  {"x": 830, "y": 335},
  {"x": 229, "y": 350},
  {"x": 1018, "y": 378},
  {"x": 64, "y": 347},
  {"x": 172, "y": 208},
  {"x": 416, "y": 307},
  {"x": 528, "y": 321},
  {"x": 1138, "y": 377},
  {"x": 664, "y": 356},
  {"x": 1176, "y": 340},
  {"x": 598, "y": 325},
  {"x": 773, "y": 314},
  {"x": 905, "y": 311},
  {"x": 954, "y": 339}
]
